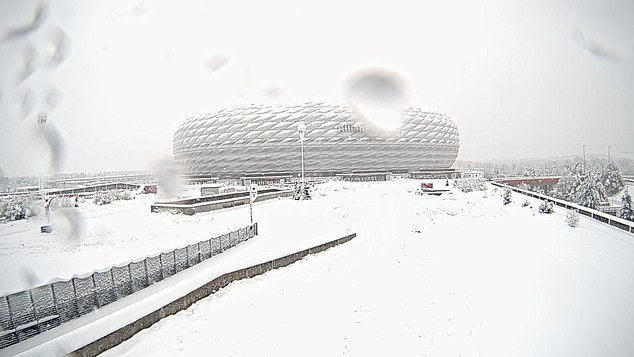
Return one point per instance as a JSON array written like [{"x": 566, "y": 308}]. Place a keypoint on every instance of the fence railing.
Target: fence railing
[
  {"x": 31, "y": 312},
  {"x": 606, "y": 218}
]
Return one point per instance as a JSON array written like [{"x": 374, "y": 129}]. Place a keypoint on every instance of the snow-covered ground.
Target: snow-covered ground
[{"x": 458, "y": 274}]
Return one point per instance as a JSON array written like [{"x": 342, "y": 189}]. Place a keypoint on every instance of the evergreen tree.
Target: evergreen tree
[
  {"x": 591, "y": 192},
  {"x": 611, "y": 179},
  {"x": 626, "y": 206},
  {"x": 567, "y": 186}
]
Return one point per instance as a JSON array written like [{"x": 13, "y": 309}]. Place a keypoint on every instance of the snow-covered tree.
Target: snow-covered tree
[
  {"x": 507, "y": 196},
  {"x": 569, "y": 182},
  {"x": 591, "y": 192},
  {"x": 626, "y": 206},
  {"x": 611, "y": 179}
]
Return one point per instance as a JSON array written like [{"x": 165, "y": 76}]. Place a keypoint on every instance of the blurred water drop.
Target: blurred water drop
[
  {"x": 29, "y": 278},
  {"x": 28, "y": 104},
  {"x": 60, "y": 46},
  {"x": 170, "y": 182},
  {"x": 56, "y": 147},
  {"x": 378, "y": 96},
  {"x": 272, "y": 92},
  {"x": 216, "y": 62},
  {"x": 139, "y": 9},
  {"x": 39, "y": 17},
  {"x": 69, "y": 222},
  {"x": 54, "y": 99},
  {"x": 29, "y": 63}
]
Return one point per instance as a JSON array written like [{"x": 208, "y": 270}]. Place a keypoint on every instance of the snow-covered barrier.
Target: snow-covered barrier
[
  {"x": 618, "y": 222},
  {"x": 192, "y": 206},
  {"x": 28, "y": 313},
  {"x": 184, "y": 302}
]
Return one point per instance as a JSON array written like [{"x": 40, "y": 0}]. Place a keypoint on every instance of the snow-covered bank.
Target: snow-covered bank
[{"x": 458, "y": 274}]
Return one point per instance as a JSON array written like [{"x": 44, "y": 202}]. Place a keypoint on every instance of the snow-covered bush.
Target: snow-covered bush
[
  {"x": 103, "y": 198},
  {"x": 107, "y": 197},
  {"x": 546, "y": 207},
  {"x": 572, "y": 218},
  {"x": 16, "y": 208},
  {"x": 56, "y": 202},
  {"x": 507, "y": 196},
  {"x": 301, "y": 192},
  {"x": 470, "y": 184},
  {"x": 525, "y": 203}
]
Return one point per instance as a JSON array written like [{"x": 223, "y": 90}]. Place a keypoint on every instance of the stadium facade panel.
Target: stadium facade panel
[{"x": 261, "y": 139}]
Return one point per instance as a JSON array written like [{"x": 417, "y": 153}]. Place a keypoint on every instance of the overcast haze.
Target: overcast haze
[{"x": 530, "y": 79}]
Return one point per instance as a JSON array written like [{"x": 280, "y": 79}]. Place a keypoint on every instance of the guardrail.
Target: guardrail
[
  {"x": 31, "y": 312},
  {"x": 614, "y": 221}
]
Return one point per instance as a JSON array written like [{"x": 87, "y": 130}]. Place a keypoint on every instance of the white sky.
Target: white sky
[{"x": 530, "y": 79}]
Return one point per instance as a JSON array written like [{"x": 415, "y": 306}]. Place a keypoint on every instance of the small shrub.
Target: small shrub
[
  {"x": 546, "y": 207},
  {"x": 572, "y": 218},
  {"x": 507, "y": 197},
  {"x": 470, "y": 184}
]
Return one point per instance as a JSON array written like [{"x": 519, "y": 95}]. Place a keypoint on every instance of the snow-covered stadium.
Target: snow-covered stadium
[{"x": 260, "y": 139}]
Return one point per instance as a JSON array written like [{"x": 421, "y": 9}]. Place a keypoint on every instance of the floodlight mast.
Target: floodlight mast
[{"x": 301, "y": 129}]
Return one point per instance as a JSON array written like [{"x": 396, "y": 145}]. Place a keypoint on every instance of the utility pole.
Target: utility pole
[{"x": 609, "y": 158}]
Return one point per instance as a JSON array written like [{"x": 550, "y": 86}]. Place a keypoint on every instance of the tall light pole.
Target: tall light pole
[
  {"x": 584, "y": 159},
  {"x": 301, "y": 129},
  {"x": 42, "y": 117},
  {"x": 609, "y": 158}
]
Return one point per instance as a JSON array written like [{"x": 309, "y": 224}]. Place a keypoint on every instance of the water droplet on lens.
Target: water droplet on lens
[
  {"x": 379, "y": 97},
  {"x": 170, "y": 182},
  {"x": 29, "y": 63},
  {"x": 29, "y": 278},
  {"x": 28, "y": 103},
  {"x": 39, "y": 17},
  {"x": 60, "y": 46},
  {"x": 216, "y": 62},
  {"x": 67, "y": 220},
  {"x": 54, "y": 99},
  {"x": 272, "y": 91},
  {"x": 57, "y": 148}
]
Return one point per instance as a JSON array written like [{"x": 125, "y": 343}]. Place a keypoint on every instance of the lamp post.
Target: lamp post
[
  {"x": 301, "y": 129},
  {"x": 609, "y": 158}
]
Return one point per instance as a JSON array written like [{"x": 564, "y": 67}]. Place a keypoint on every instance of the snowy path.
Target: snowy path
[{"x": 479, "y": 279}]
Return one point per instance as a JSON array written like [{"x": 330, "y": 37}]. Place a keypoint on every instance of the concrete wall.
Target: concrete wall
[
  {"x": 186, "y": 301},
  {"x": 191, "y": 209}
]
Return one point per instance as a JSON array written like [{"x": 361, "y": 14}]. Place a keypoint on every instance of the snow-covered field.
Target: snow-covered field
[{"x": 458, "y": 274}]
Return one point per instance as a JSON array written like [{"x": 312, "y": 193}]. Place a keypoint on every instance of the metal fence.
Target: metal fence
[
  {"x": 31, "y": 312},
  {"x": 604, "y": 217}
]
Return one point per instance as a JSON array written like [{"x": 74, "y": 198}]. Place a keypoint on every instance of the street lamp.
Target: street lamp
[
  {"x": 301, "y": 129},
  {"x": 609, "y": 159}
]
